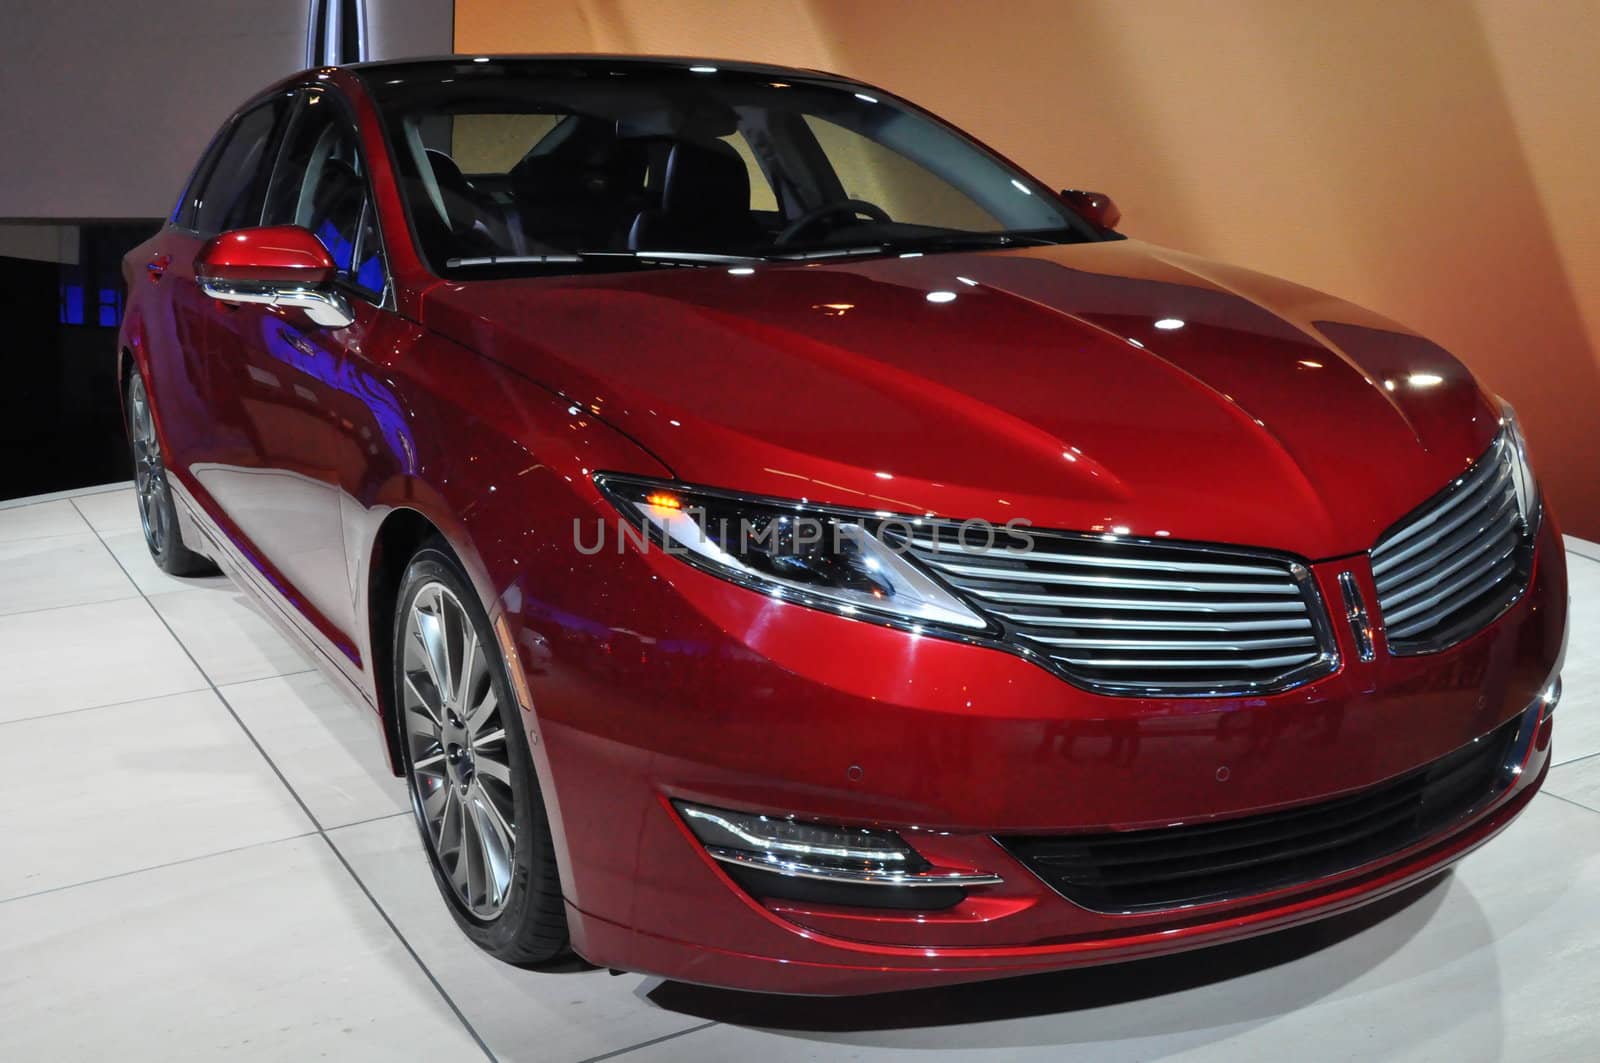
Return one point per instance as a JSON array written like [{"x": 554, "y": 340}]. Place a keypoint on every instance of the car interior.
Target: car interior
[
  {"x": 490, "y": 179},
  {"x": 584, "y": 186}
]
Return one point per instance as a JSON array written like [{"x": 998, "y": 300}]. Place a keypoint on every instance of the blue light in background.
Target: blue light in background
[{"x": 72, "y": 304}]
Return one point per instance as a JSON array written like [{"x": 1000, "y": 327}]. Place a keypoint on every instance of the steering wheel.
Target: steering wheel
[{"x": 827, "y": 210}]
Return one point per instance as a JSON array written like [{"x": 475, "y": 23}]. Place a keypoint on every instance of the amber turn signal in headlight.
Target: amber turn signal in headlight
[{"x": 827, "y": 560}]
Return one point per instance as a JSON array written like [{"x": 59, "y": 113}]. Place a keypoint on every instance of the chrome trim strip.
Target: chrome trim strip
[
  {"x": 1296, "y": 605},
  {"x": 1505, "y": 511},
  {"x": 1060, "y": 557},
  {"x": 1355, "y": 611},
  {"x": 1532, "y": 717},
  {"x": 1114, "y": 623},
  {"x": 322, "y": 306},
  {"x": 1461, "y": 559},
  {"x": 1118, "y": 583},
  {"x": 1465, "y": 487},
  {"x": 1207, "y": 662},
  {"x": 1475, "y": 582},
  {"x": 794, "y": 869},
  {"x": 1238, "y": 620},
  {"x": 756, "y": 842},
  {"x": 1457, "y": 562},
  {"x": 1237, "y": 645},
  {"x": 1551, "y": 697}
]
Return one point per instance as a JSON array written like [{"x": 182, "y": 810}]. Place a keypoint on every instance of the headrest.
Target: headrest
[
  {"x": 606, "y": 172},
  {"x": 705, "y": 179},
  {"x": 547, "y": 177},
  {"x": 337, "y": 182},
  {"x": 445, "y": 170}
]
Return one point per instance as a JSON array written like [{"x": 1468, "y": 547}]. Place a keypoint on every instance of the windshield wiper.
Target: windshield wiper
[
  {"x": 833, "y": 252},
  {"x": 958, "y": 240},
  {"x": 952, "y": 241},
  {"x": 509, "y": 260},
  {"x": 686, "y": 258},
  {"x": 710, "y": 258}
]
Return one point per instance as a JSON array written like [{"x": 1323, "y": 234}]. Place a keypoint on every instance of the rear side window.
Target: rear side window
[{"x": 229, "y": 195}]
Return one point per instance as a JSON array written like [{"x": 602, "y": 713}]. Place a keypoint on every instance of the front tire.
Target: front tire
[
  {"x": 469, "y": 770},
  {"x": 157, "y": 514}
]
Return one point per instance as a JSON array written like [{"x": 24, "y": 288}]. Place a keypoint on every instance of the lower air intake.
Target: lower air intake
[{"x": 1173, "y": 867}]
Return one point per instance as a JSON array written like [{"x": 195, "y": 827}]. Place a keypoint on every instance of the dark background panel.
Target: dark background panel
[{"x": 59, "y": 415}]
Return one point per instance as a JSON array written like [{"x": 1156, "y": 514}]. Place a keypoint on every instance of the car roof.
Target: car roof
[{"x": 585, "y": 63}]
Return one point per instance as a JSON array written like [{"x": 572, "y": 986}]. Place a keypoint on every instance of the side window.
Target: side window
[
  {"x": 183, "y": 213},
  {"x": 909, "y": 192},
  {"x": 229, "y": 195},
  {"x": 321, "y": 185},
  {"x": 367, "y": 270}
]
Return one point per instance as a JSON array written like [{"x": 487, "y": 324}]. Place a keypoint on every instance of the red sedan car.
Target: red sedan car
[{"x": 784, "y": 545}]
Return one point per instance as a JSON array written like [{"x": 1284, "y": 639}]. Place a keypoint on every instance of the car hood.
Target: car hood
[{"x": 1110, "y": 387}]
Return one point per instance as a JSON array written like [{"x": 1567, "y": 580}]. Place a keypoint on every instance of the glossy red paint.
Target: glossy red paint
[
  {"x": 1271, "y": 416},
  {"x": 1042, "y": 389},
  {"x": 1097, "y": 208},
  {"x": 281, "y": 253}
]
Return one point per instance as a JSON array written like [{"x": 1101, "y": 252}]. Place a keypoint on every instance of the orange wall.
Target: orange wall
[{"x": 1435, "y": 160}]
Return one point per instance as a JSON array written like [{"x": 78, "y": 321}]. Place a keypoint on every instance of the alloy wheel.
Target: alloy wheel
[
  {"x": 149, "y": 474},
  {"x": 459, "y": 762}
]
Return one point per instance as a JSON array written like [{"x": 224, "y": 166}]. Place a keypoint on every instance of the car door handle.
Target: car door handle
[{"x": 157, "y": 266}]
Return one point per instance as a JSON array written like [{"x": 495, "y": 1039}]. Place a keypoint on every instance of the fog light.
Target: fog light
[
  {"x": 773, "y": 843},
  {"x": 777, "y": 857}
]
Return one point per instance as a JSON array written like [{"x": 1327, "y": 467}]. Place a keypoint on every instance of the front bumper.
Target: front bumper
[{"x": 691, "y": 689}]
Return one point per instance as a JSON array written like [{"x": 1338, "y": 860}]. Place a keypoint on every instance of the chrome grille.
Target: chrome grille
[
  {"x": 1455, "y": 563},
  {"x": 1142, "y": 618}
]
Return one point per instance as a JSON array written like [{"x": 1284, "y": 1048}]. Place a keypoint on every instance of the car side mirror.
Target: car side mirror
[
  {"x": 1096, "y": 208},
  {"x": 274, "y": 265}
]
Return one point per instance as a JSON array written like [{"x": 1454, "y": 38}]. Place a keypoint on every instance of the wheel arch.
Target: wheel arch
[
  {"x": 127, "y": 365},
  {"x": 401, "y": 534}
]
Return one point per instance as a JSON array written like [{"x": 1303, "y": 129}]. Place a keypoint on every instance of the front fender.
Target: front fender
[{"x": 502, "y": 474}]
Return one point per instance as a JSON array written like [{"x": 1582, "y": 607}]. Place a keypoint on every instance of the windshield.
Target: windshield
[{"x": 544, "y": 166}]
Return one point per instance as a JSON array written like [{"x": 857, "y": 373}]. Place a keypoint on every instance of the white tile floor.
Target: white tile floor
[{"x": 202, "y": 852}]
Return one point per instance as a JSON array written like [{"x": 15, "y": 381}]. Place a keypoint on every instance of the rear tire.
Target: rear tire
[
  {"x": 157, "y": 514},
  {"x": 469, "y": 770}
]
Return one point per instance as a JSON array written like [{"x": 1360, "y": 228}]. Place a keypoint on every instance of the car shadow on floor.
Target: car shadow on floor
[{"x": 1082, "y": 989}]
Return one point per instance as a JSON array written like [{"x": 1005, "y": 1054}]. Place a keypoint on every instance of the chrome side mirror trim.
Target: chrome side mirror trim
[{"x": 322, "y": 306}]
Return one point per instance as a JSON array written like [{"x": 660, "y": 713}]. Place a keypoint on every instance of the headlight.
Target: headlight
[
  {"x": 1527, "y": 487},
  {"x": 833, "y": 561}
]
